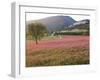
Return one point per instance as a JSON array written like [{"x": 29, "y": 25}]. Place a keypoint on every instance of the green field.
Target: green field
[{"x": 73, "y": 32}]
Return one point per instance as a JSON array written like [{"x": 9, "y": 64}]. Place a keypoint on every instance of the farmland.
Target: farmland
[{"x": 60, "y": 50}]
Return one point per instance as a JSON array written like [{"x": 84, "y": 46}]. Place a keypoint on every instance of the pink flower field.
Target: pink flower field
[
  {"x": 68, "y": 50},
  {"x": 66, "y": 41}
]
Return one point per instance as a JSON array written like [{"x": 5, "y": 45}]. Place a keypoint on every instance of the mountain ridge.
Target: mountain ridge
[{"x": 58, "y": 23}]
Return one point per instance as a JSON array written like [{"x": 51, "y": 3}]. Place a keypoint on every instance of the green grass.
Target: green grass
[
  {"x": 73, "y": 32},
  {"x": 57, "y": 56}
]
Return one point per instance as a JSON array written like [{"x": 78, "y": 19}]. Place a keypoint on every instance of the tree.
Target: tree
[{"x": 36, "y": 30}]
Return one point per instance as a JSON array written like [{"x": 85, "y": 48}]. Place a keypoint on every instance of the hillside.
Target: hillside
[{"x": 56, "y": 23}]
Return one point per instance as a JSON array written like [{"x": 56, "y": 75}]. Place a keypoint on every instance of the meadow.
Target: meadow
[{"x": 57, "y": 51}]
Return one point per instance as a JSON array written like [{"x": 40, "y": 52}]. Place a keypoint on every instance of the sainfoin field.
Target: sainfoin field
[{"x": 65, "y": 50}]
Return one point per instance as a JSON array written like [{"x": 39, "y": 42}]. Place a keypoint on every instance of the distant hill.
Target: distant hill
[
  {"x": 59, "y": 23},
  {"x": 56, "y": 23},
  {"x": 82, "y": 24}
]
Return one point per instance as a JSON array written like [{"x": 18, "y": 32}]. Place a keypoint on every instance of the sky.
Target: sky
[{"x": 36, "y": 16}]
